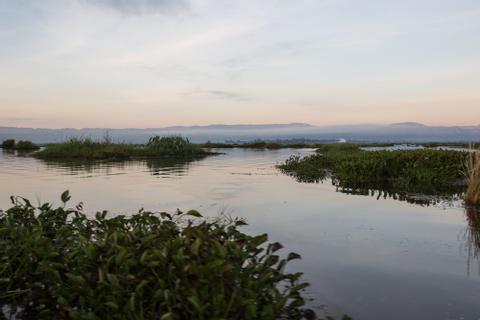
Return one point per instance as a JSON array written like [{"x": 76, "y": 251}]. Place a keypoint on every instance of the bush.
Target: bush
[
  {"x": 8, "y": 144},
  {"x": 26, "y": 145},
  {"x": 174, "y": 145},
  {"x": 57, "y": 263}
]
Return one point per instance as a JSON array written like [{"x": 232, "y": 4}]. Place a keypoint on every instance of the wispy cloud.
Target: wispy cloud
[
  {"x": 135, "y": 7},
  {"x": 219, "y": 94}
]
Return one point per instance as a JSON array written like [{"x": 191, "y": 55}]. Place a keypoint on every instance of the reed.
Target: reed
[{"x": 472, "y": 164}]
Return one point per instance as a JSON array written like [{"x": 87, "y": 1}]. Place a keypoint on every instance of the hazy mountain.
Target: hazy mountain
[
  {"x": 398, "y": 132},
  {"x": 413, "y": 124}
]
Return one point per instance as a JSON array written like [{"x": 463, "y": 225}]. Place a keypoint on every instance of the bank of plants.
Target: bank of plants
[
  {"x": 58, "y": 263},
  {"x": 22, "y": 145},
  {"x": 424, "y": 171},
  {"x": 258, "y": 144},
  {"x": 89, "y": 149}
]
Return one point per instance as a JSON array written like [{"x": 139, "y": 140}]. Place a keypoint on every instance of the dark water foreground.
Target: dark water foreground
[{"x": 368, "y": 256}]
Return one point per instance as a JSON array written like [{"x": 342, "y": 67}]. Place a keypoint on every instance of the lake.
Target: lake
[{"x": 367, "y": 256}]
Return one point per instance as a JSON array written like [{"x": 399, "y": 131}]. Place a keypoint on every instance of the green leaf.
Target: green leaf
[
  {"x": 167, "y": 316},
  {"x": 194, "y": 213},
  {"x": 293, "y": 256},
  {"x": 65, "y": 196},
  {"x": 111, "y": 305}
]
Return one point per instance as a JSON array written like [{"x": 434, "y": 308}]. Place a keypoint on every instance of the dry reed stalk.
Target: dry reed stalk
[{"x": 472, "y": 195}]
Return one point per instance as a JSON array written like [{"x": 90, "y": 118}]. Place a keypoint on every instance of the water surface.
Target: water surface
[{"x": 367, "y": 257}]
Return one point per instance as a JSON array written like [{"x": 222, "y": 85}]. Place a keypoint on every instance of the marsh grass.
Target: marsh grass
[
  {"x": 88, "y": 149},
  {"x": 472, "y": 164},
  {"x": 57, "y": 263}
]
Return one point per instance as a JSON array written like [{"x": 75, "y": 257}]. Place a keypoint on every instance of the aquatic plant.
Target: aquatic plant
[
  {"x": 172, "y": 145},
  {"x": 23, "y": 145},
  {"x": 472, "y": 164},
  {"x": 421, "y": 171},
  {"x": 57, "y": 263},
  {"x": 8, "y": 144},
  {"x": 88, "y": 149},
  {"x": 258, "y": 144},
  {"x": 26, "y": 145}
]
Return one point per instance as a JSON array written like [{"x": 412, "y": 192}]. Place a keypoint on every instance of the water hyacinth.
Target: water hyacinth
[
  {"x": 56, "y": 263},
  {"x": 425, "y": 171}
]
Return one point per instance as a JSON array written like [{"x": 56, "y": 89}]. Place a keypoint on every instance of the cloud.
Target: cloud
[
  {"x": 136, "y": 7},
  {"x": 219, "y": 94}
]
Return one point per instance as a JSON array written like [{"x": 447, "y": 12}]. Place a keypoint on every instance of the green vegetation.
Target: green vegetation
[
  {"x": 23, "y": 145},
  {"x": 472, "y": 195},
  {"x": 8, "y": 144},
  {"x": 424, "y": 171},
  {"x": 258, "y": 145},
  {"x": 88, "y": 149},
  {"x": 56, "y": 263}
]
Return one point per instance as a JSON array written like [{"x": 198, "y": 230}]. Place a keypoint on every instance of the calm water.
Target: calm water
[{"x": 369, "y": 258}]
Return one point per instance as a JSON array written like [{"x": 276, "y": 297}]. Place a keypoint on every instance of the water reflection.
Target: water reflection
[
  {"x": 471, "y": 236},
  {"x": 422, "y": 199},
  {"x": 167, "y": 167}
]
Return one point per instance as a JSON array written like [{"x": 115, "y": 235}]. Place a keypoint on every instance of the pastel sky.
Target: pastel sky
[{"x": 146, "y": 63}]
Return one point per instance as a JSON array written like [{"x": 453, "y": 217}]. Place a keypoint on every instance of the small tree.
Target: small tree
[{"x": 8, "y": 144}]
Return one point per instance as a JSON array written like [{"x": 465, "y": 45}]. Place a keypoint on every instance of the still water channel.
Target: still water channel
[{"x": 367, "y": 256}]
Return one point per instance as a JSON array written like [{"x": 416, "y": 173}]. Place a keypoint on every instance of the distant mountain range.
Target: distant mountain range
[{"x": 396, "y": 132}]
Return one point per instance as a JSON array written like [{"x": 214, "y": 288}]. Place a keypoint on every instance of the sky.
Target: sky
[{"x": 146, "y": 63}]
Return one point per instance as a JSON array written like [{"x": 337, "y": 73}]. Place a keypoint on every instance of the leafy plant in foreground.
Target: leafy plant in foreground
[{"x": 57, "y": 263}]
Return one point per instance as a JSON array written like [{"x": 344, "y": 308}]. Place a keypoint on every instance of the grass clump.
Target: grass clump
[
  {"x": 57, "y": 263},
  {"x": 88, "y": 149},
  {"x": 419, "y": 171},
  {"x": 22, "y": 145},
  {"x": 472, "y": 164}
]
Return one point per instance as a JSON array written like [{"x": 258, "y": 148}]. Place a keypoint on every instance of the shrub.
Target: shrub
[
  {"x": 174, "y": 145},
  {"x": 57, "y": 263},
  {"x": 26, "y": 145},
  {"x": 8, "y": 144}
]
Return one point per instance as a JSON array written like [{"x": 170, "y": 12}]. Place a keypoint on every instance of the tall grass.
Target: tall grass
[{"x": 472, "y": 164}]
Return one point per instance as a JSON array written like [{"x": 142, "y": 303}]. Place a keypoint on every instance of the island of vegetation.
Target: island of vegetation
[
  {"x": 22, "y": 145},
  {"x": 58, "y": 263},
  {"x": 88, "y": 149},
  {"x": 426, "y": 171}
]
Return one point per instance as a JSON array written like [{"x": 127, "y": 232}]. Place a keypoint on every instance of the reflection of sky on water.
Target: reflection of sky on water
[{"x": 373, "y": 259}]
